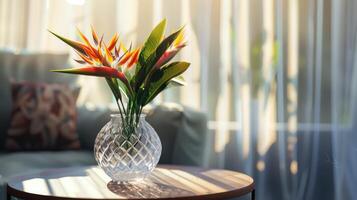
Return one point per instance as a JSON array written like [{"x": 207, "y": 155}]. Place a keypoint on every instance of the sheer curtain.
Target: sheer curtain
[{"x": 277, "y": 79}]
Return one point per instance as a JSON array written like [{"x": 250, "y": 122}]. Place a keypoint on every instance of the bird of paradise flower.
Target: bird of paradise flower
[{"x": 135, "y": 75}]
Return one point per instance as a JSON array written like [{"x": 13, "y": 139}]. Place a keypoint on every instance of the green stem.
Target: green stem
[
  {"x": 138, "y": 112},
  {"x": 120, "y": 111},
  {"x": 121, "y": 102},
  {"x": 130, "y": 115}
]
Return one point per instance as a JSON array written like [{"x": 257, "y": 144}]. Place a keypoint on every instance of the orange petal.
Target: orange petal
[
  {"x": 83, "y": 37},
  {"x": 113, "y": 41},
  {"x": 103, "y": 58},
  {"x": 100, "y": 41},
  {"x": 122, "y": 46},
  {"x": 134, "y": 57},
  {"x": 90, "y": 53},
  {"x": 99, "y": 50},
  {"x": 95, "y": 36},
  {"x": 108, "y": 54},
  {"x": 86, "y": 59},
  {"x": 125, "y": 58}
]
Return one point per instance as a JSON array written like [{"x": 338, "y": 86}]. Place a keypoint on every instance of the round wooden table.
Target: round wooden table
[{"x": 166, "y": 182}]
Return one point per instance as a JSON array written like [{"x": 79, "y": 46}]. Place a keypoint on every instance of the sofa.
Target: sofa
[{"x": 182, "y": 130}]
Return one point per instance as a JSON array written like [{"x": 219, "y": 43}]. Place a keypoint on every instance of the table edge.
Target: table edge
[{"x": 11, "y": 191}]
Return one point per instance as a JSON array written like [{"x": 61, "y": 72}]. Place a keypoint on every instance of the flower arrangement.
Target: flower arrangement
[{"x": 134, "y": 75}]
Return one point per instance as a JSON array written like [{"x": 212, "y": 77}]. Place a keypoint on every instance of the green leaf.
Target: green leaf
[
  {"x": 148, "y": 65},
  {"x": 160, "y": 50},
  {"x": 153, "y": 41},
  {"x": 160, "y": 79},
  {"x": 158, "y": 91},
  {"x": 125, "y": 89}
]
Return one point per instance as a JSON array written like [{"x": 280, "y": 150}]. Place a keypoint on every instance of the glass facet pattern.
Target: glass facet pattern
[{"x": 127, "y": 159}]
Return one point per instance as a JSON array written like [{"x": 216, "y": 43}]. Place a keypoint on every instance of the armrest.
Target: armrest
[{"x": 191, "y": 141}]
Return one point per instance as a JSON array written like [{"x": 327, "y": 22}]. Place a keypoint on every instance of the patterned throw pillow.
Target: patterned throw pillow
[{"x": 43, "y": 117}]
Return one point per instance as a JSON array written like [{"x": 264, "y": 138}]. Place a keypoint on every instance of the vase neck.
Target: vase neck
[{"x": 117, "y": 118}]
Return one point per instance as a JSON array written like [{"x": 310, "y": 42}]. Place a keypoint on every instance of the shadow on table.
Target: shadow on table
[{"x": 146, "y": 190}]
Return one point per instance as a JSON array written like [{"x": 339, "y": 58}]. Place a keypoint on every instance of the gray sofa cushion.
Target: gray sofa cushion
[
  {"x": 183, "y": 132},
  {"x": 191, "y": 139},
  {"x": 166, "y": 121},
  {"x": 29, "y": 67},
  {"x": 89, "y": 123}
]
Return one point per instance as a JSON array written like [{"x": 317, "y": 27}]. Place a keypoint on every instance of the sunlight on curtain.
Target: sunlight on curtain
[
  {"x": 223, "y": 105},
  {"x": 242, "y": 31}
]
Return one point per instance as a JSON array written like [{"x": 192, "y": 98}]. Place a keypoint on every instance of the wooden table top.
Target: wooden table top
[{"x": 166, "y": 182}]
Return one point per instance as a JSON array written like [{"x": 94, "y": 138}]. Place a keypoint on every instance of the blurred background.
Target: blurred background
[{"x": 276, "y": 78}]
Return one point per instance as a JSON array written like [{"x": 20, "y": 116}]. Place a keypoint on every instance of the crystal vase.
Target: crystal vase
[{"x": 127, "y": 157}]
